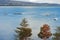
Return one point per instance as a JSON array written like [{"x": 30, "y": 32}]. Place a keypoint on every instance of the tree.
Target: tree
[
  {"x": 57, "y": 34},
  {"x": 23, "y": 32},
  {"x": 44, "y": 32}
]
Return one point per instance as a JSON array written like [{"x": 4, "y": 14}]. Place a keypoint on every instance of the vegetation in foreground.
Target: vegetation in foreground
[{"x": 24, "y": 32}]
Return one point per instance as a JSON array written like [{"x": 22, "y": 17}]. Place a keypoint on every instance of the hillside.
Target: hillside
[{"x": 21, "y": 3}]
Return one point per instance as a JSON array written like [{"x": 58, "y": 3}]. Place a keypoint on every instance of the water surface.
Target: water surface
[{"x": 11, "y": 17}]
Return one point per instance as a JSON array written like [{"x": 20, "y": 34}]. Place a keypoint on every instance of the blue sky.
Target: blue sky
[{"x": 36, "y": 16}]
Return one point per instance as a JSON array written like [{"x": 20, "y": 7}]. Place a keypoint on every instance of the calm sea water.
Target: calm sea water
[{"x": 11, "y": 17}]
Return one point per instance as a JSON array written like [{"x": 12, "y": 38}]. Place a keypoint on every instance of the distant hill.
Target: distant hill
[{"x": 21, "y": 3}]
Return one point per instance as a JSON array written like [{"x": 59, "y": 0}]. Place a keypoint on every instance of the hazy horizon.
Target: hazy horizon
[
  {"x": 41, "y": 1},
  {"x": 35, "y": 1}
]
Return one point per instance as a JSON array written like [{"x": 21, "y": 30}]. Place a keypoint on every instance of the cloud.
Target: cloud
[{"x": 42, "y": 1}]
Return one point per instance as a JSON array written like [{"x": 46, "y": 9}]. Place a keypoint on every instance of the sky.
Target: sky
[
  {"x": 42, "y": 1},
  {"x": 36, "y": 1},
  {"x": 36, "y": 17}
]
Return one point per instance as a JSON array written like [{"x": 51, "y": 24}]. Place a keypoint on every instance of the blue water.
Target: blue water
[{"x": 11, "y": 17}]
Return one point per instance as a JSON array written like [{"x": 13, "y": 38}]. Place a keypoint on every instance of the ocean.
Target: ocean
[{"x": 11, "y": 17}]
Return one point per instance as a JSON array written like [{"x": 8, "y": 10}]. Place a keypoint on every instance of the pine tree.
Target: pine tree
[
  {"x": 44, "y": 32},
  {"x": 23, "y": 32},
  {"x": 57, "y": 34}
]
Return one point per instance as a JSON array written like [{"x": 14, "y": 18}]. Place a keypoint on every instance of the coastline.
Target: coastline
[{"x": 29, "y": 7}]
